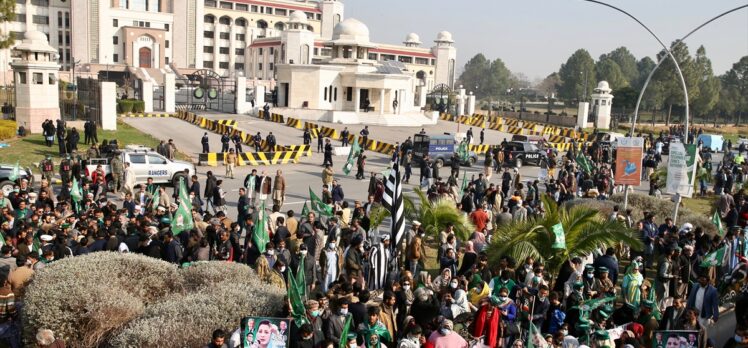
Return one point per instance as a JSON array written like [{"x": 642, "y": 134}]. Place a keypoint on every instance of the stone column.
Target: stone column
[
  {"x": 109, "y": 105},
  {"x": 170, "y": 92},
  {"x": 422, "y": 97},
  {"x": 461, "y": 102},
  {"x": 146, "y": 94},
  {"x": 356, "y": 99},
  {"x": 381, "y": 101},
  {"x": 471, "y": 104},
  {"x": 242, "y": 106},
  {"x": 584, "y": 108},
  {"x": 259, "y": 96}
]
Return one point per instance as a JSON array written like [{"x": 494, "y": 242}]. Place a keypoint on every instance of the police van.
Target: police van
[
  {"x": 440, "y": 148},
  {"x": 146, "y": 163}
]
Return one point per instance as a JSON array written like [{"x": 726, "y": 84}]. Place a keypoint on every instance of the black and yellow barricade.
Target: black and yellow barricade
[
  {"x": 230, "y": 123},
  {"x": 511, "y": 123},
  {"x": 277, "y": 118},
  {"x": 495, "y": 126},
  {"x": 446, "y": 117},
  {"x": 380, "y": 147},
  {"x": 512, "y": 130},
  {"x": 294, "y": 123},
  {"x": 145, "y": 114},
  {"x": 328, "y": 132},
  {"x": 556, "y": 139},
  {"x": 305, "y": 150},
  {"x": 252, "y": 158},
  {"x": 550, "y": 130},
  {"x": 530, "y": 125},
  {"x": 564, "y": 146},
  {"x": 479, "y": 149},
  {"x": 567, "y": 133}
]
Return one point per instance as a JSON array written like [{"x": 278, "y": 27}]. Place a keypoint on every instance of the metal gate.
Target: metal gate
[
  {"x": 440, "y": 98},
  {"x": 88, "y": 104},
  {"x": 205, "y": 90}
]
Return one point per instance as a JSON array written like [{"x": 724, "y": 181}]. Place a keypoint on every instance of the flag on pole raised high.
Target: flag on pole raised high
[
  {"x": 584, "y": 163},
  {"x": 305, "y": 210},
  {"x": 182, "y": 220},
  {"x": 714, "y": 258},
  {"x": 260, "y": 234},
  {"x": 393, "y": 200},
  {"x": 464, "y": 185},
  {"x": 319, "y": 206},
  {"x": 155, "y": 199},
  {"x": 298, "y": 312},
  {"x": 15, "y": 173},
  {"x": 344, "y": 334},
  {"x": 717, "y": 221},
  {"x": 352, "y": 156}
]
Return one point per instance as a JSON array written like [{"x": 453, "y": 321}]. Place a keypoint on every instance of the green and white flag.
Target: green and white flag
[
  {"x": 301, "y": 278},
  {"x": 344, "y": 334},
  {"x": 304, "y": 210},
  {"x": 260, "y": 234},
  {"x": 182, "y": 220},
  {"x": 319, "y": 206},
  {"x": 584, "y": 163},
  {"x": 535, "y": 338},
  {"x": 717, "y": 221},
  {"x": 298, "y": 312},
  {"x": 352, "y": 156},
  {"x": 714, "y": 258},
  {"x": 75, "y": 192},
  {"x": 15, "y": 173},
  {"x": 464, "y": 185},
  {"x": 155, "y": 199},
  {"x": 560, "y": 236},
  {"x": 463, "y": 150}
]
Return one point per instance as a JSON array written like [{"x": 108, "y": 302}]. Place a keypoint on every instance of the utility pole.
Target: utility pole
[{"x": 75, "y": 90}]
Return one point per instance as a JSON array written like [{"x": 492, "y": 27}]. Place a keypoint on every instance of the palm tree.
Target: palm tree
[
  {"x": 584, "y": 228},
  {"x": 435, "y": 216}
]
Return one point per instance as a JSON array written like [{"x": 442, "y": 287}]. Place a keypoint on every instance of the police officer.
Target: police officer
[
  {"x": 320, "y": 143},
  {"x": 307, "y": 137},
  {"x": 206, "y": 143},
  {"x": 328, "y": 152},
  {"x": 271, "y": 141},
  {"x": 237, "y": 139},
  {"x": 225, "y": 139},
  {"x": 257, "y": 140},
  {"x": 344, "y": 136},
  {"x": 48, "y": 168},
  {"x": 118, "y": 172},
  {"x": 66, "y": 170},
  {"x": 455, "y": 165},
  {"x": 364, "y": 133}
]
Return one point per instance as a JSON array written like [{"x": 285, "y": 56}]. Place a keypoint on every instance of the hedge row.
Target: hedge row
[
  {"x": 130, "y": 105},
  {"x": 7, "y": 129}
]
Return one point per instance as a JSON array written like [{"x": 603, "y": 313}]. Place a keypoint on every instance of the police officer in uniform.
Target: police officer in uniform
[
  {"x": 206, "y": 143},
  {"x": 48, "y": 168},
  {"x": 257, "y": 139},
  {"x": 328, "y": 152},
  {"x": 237, "y": 139},
  {"x": 307, "y": 137},
  {"x": 118, "y": 172},
  {"x": 271, "y": 141},
  {"x": 344, "y": 136},
  {"x": 66, "y": 170},
  {"x": 225, "y": 142}
]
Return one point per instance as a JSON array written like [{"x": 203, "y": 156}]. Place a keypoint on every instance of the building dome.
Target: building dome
[
  {"x": 413, "y": 38},
  {"x": 35, "y": 41},
  {"x": 444, "y": 36},
  {"x": 298, "y": 17},
  {"x": 603, "y": 86},
  {"x": 351, "y": 32}
]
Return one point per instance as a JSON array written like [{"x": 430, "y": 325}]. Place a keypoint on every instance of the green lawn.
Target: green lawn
[
  {"x": 702, "y": 205},
  {"x": 31, "y": 150}
]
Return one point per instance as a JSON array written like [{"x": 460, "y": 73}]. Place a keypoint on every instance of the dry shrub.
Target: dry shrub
[
  {"x": 639, "y": 203},
  {"x": 119, "y": 300}
]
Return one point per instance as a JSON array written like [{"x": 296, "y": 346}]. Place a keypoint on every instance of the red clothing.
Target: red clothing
[
  {"x": 479, "y": 219},
  {"x": 487, "y": 327}
]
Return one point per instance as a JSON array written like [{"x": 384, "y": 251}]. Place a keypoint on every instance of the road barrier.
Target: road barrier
[
  {"x": 145, "y": 114},
  {"x": 252, "y": 159},
  {"x": 230, "y": 123}
]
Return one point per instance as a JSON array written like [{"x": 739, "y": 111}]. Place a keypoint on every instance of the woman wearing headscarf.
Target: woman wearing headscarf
[
  {"x": 460, "y": 303},
  {"x": 487, "y": 323},
  {"x": 478, "y": 291},
  {"x": 442, "y": 281},
  {"x": 631, "y": 286},
  {"x": 468, "y": 259}
]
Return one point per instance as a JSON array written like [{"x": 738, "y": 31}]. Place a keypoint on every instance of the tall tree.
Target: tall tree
[
  {"x": 498, "y": 79},
  {"x": 550, "y": 84},
  {"x": 475, "y": 74},
  {"x": 709, "y": 85},
  {"x": 608, "y": 70},
  {"x": 578, "y": 71},
  {"x": 644, "y": 66},
  {"x": 7, "y": 14},
  {"x": 667, "y": 77},
  {"x": 626, "y": 61},
  {"x": 735, "y": 89}
]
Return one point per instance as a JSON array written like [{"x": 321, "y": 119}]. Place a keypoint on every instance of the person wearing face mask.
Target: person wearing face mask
[
  {"x": 306, "y": 333},
  {"x": 589, "y": 281},
  {"x": 313, "y": 316},
  {"x": 413, "y": 338},
  {"x": 336, "y": 322},
  {"x": 331, "y": 262},
  {"x": 404, "y": 298},
  {"x": 308, "y": 264},
  {"x": 354, "y": 259},
  {"x": 445, "y": 337},
  {"x": 372, "y": 330},
  {"x": 503, "y": 281},
  {"x": 270, "y": 254}
]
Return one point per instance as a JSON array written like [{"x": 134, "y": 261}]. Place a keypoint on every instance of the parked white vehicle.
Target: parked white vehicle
[{"x": 146, "y": 163}]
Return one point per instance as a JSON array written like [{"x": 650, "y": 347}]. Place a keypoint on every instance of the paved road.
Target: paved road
[{"x": 723, "y": 330}]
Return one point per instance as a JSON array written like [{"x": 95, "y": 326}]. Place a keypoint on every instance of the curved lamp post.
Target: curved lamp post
[{"x": 649, "y": 78}]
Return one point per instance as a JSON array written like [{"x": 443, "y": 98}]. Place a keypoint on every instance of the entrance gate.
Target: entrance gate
[{"x": 205, "y": 90}]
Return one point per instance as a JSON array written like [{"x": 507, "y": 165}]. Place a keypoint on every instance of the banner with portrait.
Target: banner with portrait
[
  {"x": 676, "y": 339},
  {"x": 262, "y": 332}
]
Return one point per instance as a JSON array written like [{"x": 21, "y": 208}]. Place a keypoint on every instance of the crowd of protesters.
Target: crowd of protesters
[{"x": 353, "y": 270}]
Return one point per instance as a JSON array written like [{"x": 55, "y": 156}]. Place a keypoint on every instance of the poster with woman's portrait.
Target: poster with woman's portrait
[
  {"x": 676, "y": 339},
  {"x": 261, "y": 332}
]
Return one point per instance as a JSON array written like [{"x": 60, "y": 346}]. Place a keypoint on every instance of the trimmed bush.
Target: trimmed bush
[
  {"x": 7, "y": 129},
  {"x": 111, "y": 299},
  {"x": 125, "y": 106},
  {"x": 639, "y": 203}
]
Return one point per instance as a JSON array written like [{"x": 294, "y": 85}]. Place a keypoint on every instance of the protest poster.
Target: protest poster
[
  {"x": 629, "y": 161},
  {"x": 262, "y": 332},
  {"x": 676, "y": 339},
  {"x": 681, "y": 169}
]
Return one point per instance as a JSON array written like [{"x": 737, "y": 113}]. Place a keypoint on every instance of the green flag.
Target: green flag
[
  {"x": 319, "y": 206},
  {"x": 464, "y": 185},
  {"x": 535, "y": 338},
  {"x": 260, "y": 234},
  {"x": 75, "y": 192},
  {"x": 714, "y": 258},
  {"x": 155, "y": 199},
  {"x": 182, "y": 220},
  {"x": 717, "y": 221},
  {"x": 344, "y": 334},
  {"x": 301, "y": 278},
  {"x": 463, "y": 151},
  {"x": 352, "y": 156},
  {"x": 560, "y": 236},
  {"x": 297, "y": 304},
  {"x": 584, "y": 163},
  {"x": 15, "y": 173},
  {"x": 304, "y": 210}
]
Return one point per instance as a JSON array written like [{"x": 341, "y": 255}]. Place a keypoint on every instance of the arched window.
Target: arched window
[
  {"x": 209, "y": 19},
  {"x": 225, "y": 20},
  {"x": 279, "y": 26},
  {"x": 262, "y": 24},
  {"x": 310, "y": 28},
  {"x": 241, "y": 22}
]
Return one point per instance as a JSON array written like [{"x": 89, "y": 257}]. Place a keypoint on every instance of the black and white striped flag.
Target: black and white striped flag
[{"x": 393, "y": 200}]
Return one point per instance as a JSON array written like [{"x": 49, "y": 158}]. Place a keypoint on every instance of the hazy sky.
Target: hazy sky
[{"x": 535, "y": 36}]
